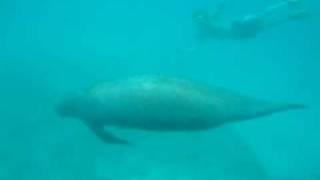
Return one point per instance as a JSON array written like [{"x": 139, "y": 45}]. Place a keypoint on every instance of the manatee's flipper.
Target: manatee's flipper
[{"x": 106, "y": 136}]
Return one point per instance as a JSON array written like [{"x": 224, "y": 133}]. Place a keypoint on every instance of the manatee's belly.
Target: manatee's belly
[
  {"x": 157, "y": 120},
  {"x": 161, "y": 114}
]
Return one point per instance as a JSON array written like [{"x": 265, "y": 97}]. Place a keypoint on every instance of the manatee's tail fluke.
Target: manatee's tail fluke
[
  {"x": 292, "y": 107},
  {"x": 269, "y": 108}
]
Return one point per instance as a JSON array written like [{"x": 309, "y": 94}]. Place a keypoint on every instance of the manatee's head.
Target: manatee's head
[{"x": 71, "y": 106}]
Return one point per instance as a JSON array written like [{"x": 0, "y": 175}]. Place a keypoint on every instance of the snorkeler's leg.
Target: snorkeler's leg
[
  {"x": 269, "y": 11},
  {"x": 298, "y": 10},
  {"x": 295, "y": 8},
  {"x": 290, "y": 4}
]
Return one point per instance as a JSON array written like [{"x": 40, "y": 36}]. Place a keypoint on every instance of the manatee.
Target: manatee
[{"x": 159, "y": 103}]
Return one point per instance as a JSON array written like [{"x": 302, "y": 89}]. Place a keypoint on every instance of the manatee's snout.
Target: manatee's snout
[{"x": 66, "y": 108}]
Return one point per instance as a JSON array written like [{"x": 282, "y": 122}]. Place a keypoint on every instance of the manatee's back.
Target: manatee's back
[
  {"x": 154, "y": 102},
  {"x": 167, "y": 103},
  {"x": 213, "y": 105}
]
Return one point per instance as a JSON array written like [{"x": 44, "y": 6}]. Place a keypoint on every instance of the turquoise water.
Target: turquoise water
[{"x": 50, "y": 48}]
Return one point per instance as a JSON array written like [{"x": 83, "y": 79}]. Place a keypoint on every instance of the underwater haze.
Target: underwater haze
[{"x": 50, "y": 48}]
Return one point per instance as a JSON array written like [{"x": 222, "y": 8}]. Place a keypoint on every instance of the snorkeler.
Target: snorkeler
[{"x": 214, "y": 25}]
